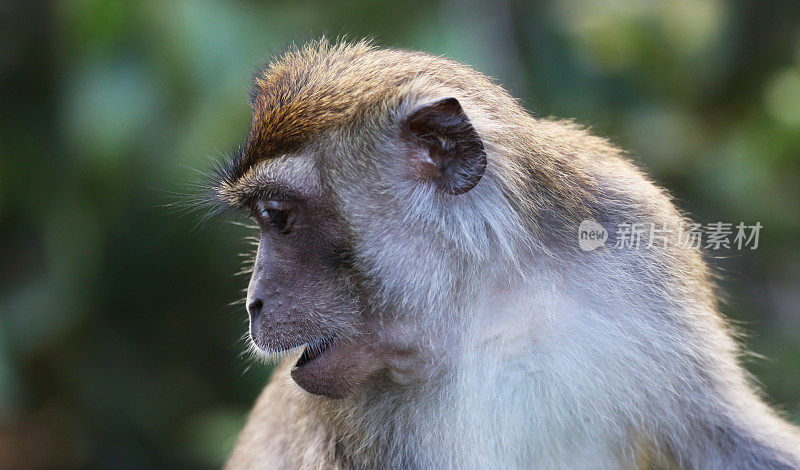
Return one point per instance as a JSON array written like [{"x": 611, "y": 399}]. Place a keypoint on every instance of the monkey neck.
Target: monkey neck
[
  {"x": 396, "y": 428},
  {"x": 484, "y": 408},
  {"x": 551, "y": 383}
]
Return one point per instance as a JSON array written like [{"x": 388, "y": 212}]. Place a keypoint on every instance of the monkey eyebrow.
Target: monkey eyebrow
[
  {"x": 267, "y": 181},
  {"x": 242, "y": 194},
  {"x": 273, "y": 190}
]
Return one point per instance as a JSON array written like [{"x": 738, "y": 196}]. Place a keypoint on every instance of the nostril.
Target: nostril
[{"x": 255, "y": 308}]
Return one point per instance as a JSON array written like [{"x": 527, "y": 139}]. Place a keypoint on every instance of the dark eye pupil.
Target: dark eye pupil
[{"x": 278, "y": 218}]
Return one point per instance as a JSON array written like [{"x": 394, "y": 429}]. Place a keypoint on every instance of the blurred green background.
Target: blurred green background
[{"x": 118, "y": 346}]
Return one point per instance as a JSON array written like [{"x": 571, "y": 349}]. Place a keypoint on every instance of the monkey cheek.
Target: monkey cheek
[{"x": 341, "y": 372}]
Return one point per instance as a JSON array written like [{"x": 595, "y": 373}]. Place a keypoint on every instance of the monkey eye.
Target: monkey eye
[{"x": 277, "y": 214}]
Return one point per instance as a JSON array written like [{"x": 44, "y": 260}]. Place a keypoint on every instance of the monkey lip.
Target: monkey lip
[
  {"x": 337, "y": 367},
  {"x": 313, "y": 351}
]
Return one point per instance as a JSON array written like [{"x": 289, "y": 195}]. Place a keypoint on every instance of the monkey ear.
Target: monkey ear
[{"x": 447, "y": 149}]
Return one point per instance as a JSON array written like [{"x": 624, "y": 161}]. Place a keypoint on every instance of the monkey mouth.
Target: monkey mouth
[
  {"x": 313, "y": 351},
  {"x": 336, "y": 367}
]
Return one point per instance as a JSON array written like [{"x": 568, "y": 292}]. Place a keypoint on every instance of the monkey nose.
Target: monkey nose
[{"x": 254, "y": 309}]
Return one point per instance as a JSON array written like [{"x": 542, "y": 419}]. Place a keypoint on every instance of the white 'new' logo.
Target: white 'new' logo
[{"x": 591, "y": 235}]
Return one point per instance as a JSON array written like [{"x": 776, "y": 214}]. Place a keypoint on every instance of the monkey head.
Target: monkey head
[{"x": 348, "y": 169}]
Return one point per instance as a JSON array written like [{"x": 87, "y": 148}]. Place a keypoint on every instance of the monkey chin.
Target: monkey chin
[{"x": 337, "y": 370}]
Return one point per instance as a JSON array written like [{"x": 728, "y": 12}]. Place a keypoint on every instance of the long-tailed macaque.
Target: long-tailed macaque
[{"x": 420, "y": 276}]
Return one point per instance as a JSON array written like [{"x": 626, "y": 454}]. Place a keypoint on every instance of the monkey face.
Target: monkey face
[
  {"x": 301, "y": 294},
  {"x": 314, "y": 285},
  {"x": 308, "y": 293},
  {"x": 296, "y": 293}
]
